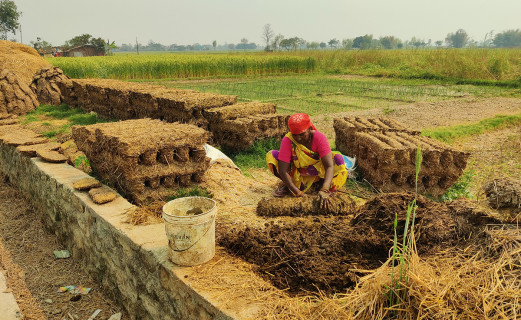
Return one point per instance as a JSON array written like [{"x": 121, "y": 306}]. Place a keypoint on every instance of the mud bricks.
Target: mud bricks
[
  {"x": 386, "y": 156},
  {"x": 145, "y": 159}
]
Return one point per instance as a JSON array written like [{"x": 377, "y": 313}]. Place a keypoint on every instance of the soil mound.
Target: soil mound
[{"x": 22, "y": 60}]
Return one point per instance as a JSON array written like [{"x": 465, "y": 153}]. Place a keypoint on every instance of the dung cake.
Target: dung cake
[
  {"x": 125, "y": 100},
  {"x": 238, "y": 126},
  {"x": 145, "y": 159},
  {"x": 386, "y": 154}
]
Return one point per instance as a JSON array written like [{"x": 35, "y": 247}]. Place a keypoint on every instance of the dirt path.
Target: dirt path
[
  {"x": 34, "y": 275},
  {"x": 424, "y": 115}
]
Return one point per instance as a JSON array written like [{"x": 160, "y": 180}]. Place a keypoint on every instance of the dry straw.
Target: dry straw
[{"x": 477, "y": 282}]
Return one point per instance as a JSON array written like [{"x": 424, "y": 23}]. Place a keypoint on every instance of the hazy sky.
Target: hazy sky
[{"x": 202, "y": 21}]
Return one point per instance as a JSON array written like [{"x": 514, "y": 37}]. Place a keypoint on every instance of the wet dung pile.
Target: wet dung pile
[
  {"x": 310, "y": 253},
  {"x": 386, "y": 153},
  {"x": 339, "y": 205},
  {"x": 306, "y": 254}
]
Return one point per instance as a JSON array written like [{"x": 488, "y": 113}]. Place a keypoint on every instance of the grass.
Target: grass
[
  {"x": 73, "y": 116},
  {"x": 255, "y": 156},
  {"x": 322, "y": 94},
  {"x": 196, "y": 191},
  {"x": 397, "y": 292},
  {"x": 450, "y": 134},
  {"x": 461, "y": 188}
]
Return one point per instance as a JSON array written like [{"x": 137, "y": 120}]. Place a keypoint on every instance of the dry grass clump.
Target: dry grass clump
[
  {"x": 146, "y": 214},
  {"x": 478, "y": 282}
]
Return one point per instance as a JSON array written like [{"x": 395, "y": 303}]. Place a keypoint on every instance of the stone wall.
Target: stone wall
[{"x": 131, "y": 262}]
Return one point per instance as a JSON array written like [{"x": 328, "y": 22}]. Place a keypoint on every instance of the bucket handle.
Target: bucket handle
[{"x": 195, "y": 242}]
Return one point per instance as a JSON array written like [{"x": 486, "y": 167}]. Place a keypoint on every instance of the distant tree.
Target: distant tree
[
  {"x": 313, "y": 45},
  {"x": 109, "y": 46},
  {"x": 214, "y": 44},
  {"x": 275, "y": 44},
  {"x": 363, "y": 42},
  {"x": 267, "y": 36},
  {"x": 347, "y": 44},
  {"x": 323, "y": 45},
  {"x": 389, "y": 42},
  {"x": 286, "y": 44},
  {"x": 126, "y": 47},
  {"x": 333, "y": 43},
  {"x": 489, "y": 39},
  {"x": 438, "y": 43},
  {"x": 231, "y": 46},
  {"x": 40, "y": 44},
  {"x": 458, "y": 39},
  {"x": 508, "y": 39},
  {"x": 417, "y": 43},
  {"x": 153, "y": 46},
  {"x": 297, "y": 42},
  {"x": 78, "y": 40},
  {"x": 9, "y": 16},
  {"x": 99, "y": 43}
]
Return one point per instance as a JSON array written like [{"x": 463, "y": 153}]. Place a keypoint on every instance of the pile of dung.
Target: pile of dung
[
  {"x": 503, "y": 193},
  {"x": 340, "y": 204},
  {"x": 329, "y": 253},
  {"x": 15, "y": 96},
  {"x": 45, "y": 85},
  {"x": 20, "y": 59}
]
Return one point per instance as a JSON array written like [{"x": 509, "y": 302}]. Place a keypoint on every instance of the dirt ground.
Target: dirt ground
[
  {"x": 33, "y": 273},
  {"x": 493, "y": 155}
]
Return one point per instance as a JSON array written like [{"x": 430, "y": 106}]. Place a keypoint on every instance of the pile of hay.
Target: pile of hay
[
  {"x": 22, "y": 60},
  {"x": 19, "y": 64}
]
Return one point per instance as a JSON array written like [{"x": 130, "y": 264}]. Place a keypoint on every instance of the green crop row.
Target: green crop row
[
  {"x": 161, "y": 66},
  {"x": 485, "y": 64},
  {"x": 467, "y": 66}
]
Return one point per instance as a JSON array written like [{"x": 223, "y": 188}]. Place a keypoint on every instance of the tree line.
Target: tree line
[
  {"x": 9, "y": 16},
  {"x": 458, "y": 39}
]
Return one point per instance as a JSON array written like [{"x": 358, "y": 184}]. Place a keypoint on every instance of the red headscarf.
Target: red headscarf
[{"x": 299, "y": 123}]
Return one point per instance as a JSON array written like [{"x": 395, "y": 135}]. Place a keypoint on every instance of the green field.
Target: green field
[
  {"x": 321, "y": 93},
  {"x": 459, "y": 66}
]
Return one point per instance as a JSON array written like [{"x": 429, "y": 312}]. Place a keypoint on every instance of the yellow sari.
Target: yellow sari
[{"x": 306, "y": 167}]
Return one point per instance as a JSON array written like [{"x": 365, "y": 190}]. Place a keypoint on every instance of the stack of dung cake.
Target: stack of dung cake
[{"x": 145, "y": 159}]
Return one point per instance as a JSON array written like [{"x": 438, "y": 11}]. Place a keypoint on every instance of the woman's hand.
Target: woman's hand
[{"x": 324, "y": 194}]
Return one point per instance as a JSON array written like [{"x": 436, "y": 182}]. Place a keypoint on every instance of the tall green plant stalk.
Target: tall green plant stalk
[{"x": 397, "y": 292}]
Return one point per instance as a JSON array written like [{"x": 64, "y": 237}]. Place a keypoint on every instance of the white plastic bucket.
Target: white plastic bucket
[{"x": 190, "y": 229}]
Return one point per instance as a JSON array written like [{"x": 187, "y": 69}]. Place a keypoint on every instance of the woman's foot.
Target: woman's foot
[{"x": 281, "y": 192}]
